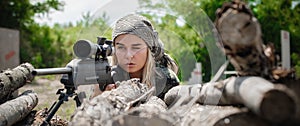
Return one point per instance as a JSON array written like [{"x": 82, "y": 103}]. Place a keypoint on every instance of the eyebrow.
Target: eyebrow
[
  {"x": 117, "y": 43},
  {"x": 138, "y": 44}
]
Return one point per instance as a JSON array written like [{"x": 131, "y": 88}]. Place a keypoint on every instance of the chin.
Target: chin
[{"x": 131, "y": 71}]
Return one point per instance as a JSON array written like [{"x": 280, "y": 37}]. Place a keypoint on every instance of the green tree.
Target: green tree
[
  {"x": 39, "y": 45},
  {"x": 17, "y": 14},
  {"x": 275, "y": 16},
  {"x": 272, "y": 15},
  {"x": 175, "y": 39},
  {"x": 196, "y": 35},
  {"x": 42, "y": 46},
  {"x": 88, "y": 28}
]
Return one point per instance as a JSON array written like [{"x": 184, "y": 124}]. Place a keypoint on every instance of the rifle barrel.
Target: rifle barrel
[{"x": 51, "y": 71}]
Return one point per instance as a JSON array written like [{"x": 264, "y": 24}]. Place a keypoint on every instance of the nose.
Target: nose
[{"x": 129, "y": 54}]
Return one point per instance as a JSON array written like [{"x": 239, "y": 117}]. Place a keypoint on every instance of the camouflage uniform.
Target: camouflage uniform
[{"x": 165, "y": 79}]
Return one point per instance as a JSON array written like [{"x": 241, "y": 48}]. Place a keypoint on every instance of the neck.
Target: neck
[{"x": 137, "y": 74}]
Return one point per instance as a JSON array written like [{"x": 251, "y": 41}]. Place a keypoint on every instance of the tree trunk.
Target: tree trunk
[
  {"x": 15, "y": 110},
  {"x": 11, "y": 80},
  {"x": 241, "y": 38},
  {"x": 275, "y": 103}
]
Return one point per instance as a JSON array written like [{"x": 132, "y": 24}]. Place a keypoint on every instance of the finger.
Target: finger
[{"x": 110, "y": 87}]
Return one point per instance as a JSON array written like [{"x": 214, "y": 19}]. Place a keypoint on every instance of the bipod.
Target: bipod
[{"x": 64, "y": 94}]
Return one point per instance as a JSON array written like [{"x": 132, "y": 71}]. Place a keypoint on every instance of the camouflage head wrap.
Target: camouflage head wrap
[{"x": 141, "y": 27}]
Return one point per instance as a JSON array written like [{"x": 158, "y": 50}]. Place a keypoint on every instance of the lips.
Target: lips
[{"x": 130, "y": 64}]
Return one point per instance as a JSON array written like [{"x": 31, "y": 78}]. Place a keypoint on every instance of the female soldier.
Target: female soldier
[{"x": 140, "y": 54}]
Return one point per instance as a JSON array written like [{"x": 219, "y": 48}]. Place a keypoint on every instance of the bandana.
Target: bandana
[{"x": 140, "y": 26}]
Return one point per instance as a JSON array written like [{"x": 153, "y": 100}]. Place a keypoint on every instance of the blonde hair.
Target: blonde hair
[{"x": 149, "y": 71}]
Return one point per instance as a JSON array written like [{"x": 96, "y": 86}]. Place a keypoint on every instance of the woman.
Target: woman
[{"x": 140, "y": 54}]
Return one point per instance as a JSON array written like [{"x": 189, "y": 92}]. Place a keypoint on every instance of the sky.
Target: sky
[{"x": 74, "y": 9}]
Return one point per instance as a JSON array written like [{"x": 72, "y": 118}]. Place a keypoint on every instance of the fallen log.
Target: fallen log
[
  {"x": 261, "y": 97},
  {"x": 242, "y": 40},
  {"x": 15, "y": 110},
  {"x": 11, "y": 80},
  {"x": 101, "y": 109},
  {"x": 206, "y": 115},
  {"x": 295, "y": 86},
  {"x": 151, "y": 113},
  {"x": 195, "y": 115},
  {"x": 275, "y": 103}
]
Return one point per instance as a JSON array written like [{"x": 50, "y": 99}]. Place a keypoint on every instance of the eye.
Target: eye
[
  {"x": 120, "y": 48},
  {"x": 136, "y": 48}
]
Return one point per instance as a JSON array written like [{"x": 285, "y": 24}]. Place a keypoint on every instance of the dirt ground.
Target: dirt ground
[{"x": 46, "y": 91}]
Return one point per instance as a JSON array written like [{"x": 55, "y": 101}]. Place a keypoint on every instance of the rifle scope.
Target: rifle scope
[{"x": 85, "y": 49}]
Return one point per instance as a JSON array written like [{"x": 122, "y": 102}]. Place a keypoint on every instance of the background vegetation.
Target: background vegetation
[
  {"x": 45, "y": 46},
  {"x": 273, "y": 16}
]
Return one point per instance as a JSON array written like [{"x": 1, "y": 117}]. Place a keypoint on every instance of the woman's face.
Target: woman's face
[{"x": 131, "y": 53}]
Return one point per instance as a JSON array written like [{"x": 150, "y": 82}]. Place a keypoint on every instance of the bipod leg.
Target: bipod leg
[
  {"x": 62, "y": 97},
  {"x": 76, "y": 99}
]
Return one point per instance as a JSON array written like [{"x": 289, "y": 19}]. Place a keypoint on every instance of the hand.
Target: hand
[
  {"x": 110, "y": 87},
  {"x": 182, "y": 94},
  {"x": 97, "y": 91}
]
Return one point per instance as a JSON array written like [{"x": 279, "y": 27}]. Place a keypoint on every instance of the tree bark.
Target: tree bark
[
  {"x": 275, "y": 103},
  {"x": 15, "y": 110},
  {"x": 195, "y": 115},
  {"x": 151, "y": 113},
  {"x": 206, "y": 115},
  {"x": 272, "y": 103},
  {"x": 101, "y": 109},
  {"x": 242, "y": 40},
  {"x": 11, "y": 80}
]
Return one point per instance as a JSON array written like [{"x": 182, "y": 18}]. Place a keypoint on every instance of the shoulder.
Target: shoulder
[
  {"x": 168, "y": 73},
  {"x": 165, "y": 80}
]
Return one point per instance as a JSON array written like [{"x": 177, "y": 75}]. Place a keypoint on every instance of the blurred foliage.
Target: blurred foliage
[
  {"x": 39, "y": 45},
  {"x": 42, "y": 45},
  {"x": 189, "y": 41},
  {"x": 279, "y": 16},
  {"x": 194, "y": 31},
  {"x": 16, "y": 14},
  {"x": 177, "y": 41},
  {"x": 296, "y": 57},
  {"x": 273, "y": 16}
]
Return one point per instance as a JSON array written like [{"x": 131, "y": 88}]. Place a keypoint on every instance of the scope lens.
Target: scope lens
[{"x": 83, "y": 49}]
